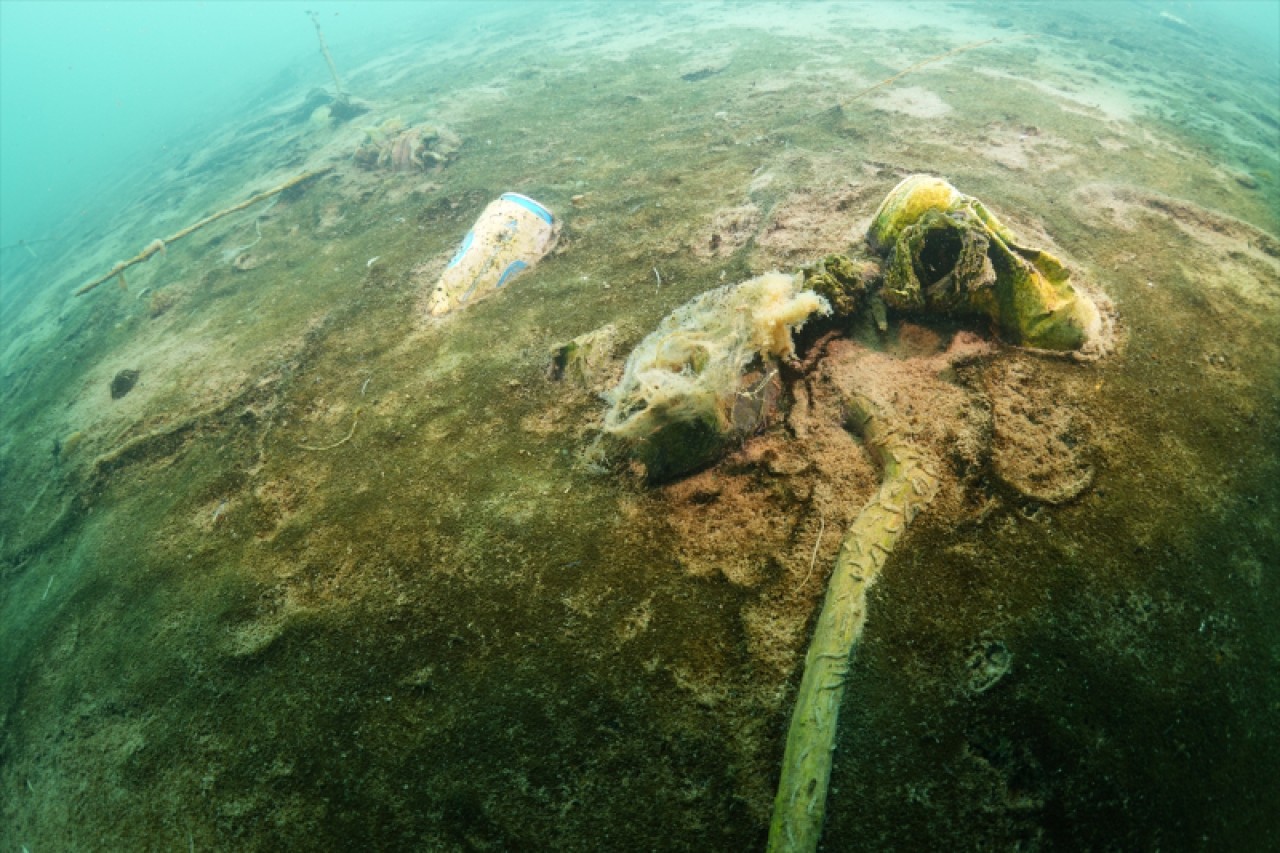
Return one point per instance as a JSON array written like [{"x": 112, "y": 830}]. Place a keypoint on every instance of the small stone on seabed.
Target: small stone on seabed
[{"x": 123, "y": 383}]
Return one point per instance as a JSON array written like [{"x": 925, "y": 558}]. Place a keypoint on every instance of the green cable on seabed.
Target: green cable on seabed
[{"x": 906, "y": 488}]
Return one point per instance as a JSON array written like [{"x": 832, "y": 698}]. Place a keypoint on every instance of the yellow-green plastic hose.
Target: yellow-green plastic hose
[{"x": 905, "y": 489}]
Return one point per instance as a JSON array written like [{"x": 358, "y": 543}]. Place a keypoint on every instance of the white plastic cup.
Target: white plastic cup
[{"x": 511, "y": 235}]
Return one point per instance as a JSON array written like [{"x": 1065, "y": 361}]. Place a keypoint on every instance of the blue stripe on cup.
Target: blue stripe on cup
[
  {"x": 512, "y": 268},
  {"x": 462, "y": 250},
  {"x": 529, "y": 205}
]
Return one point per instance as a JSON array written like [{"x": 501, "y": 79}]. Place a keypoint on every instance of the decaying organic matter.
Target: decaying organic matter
[{"x": 396, "y": 147}]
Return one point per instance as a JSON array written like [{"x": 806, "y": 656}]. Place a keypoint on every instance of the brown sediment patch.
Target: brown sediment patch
[
  {"x": 729, "y": 230},
  {"x": 770, "y": 517},
  {"x": 943, "y": 418},
  {"x": 710, "y": 513},
  {"x": 1040, "y": 446},
  {"x": 739, "y": 519},
  {"x": 813, "y": 222},
  {"x": 756, "y": 518}
]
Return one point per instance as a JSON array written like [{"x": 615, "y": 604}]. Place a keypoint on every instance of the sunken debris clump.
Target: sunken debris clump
[
  {"x": 940, "y": 253},
  {"x": 676, "y": 408},
  {"x": 395, "y": 147},
  {"x": 945, "y": 253},
  {"x": 843, "y": 281}
]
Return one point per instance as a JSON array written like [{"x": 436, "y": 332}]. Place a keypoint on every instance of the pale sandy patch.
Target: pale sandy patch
[
  {"x": 1095, "y": 99},
  {"x": 1223, "y": 254},
  {"x": 911, "y": 101},
  {"x": 1021, "y": 149}
]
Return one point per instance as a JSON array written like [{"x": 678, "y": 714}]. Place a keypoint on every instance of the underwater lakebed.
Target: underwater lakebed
[{"x": 333, "y": 570}]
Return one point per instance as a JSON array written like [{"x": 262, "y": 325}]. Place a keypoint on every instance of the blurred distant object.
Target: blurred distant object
[
  {"x": 25, "y": 244},
  {"x": 392, "y": 145},
  {"x": 341, "y": 107},
  {"x": 324, "y": 49}
]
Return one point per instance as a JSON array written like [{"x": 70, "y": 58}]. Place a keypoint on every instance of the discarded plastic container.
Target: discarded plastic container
[{"x": 511, "y": 235}]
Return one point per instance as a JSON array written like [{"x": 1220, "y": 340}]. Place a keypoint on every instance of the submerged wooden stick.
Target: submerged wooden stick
[
  {"x": 324, "y": 48},
  {"x": 160, "y": 245},
  {"x": 905, "y": 489}
]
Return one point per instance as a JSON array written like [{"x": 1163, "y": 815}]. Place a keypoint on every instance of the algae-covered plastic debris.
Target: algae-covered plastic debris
[
  {"x": 946, "y": 253},
  {"x": 907, "y": 487},
  {"x": 674, "y": 404},
  {"x": 510, "y": 236}
]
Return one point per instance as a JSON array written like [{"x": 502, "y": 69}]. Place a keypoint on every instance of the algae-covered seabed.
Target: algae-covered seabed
[{"x": 453, "y": 632}]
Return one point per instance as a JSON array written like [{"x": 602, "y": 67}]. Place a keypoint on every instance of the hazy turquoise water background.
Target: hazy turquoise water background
[
  {"x": 87, "y": 88},
  {"x": 96, "y": 96}
]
